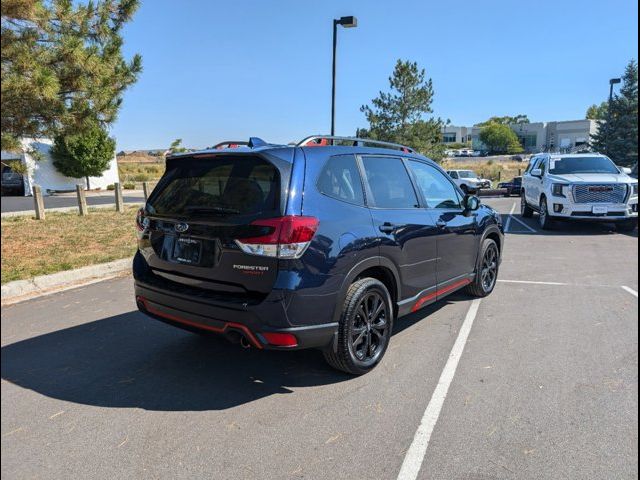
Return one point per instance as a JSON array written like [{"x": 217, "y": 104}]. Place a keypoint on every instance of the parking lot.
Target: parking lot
[{"x": 538, "y": 380}]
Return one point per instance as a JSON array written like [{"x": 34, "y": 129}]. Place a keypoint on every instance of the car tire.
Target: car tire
[
  {"x": 357, "y": 325},
  {"x": 525, "y": 210},
  {"x": 544, "y": 220},
  {"x": 487, "y": 270},
  {"x": 627, "y": 226}
]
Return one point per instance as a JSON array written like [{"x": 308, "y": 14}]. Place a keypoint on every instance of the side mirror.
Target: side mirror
[
  {"x": 536, "y": 172},
  {"x": 471, "y": 203},
  {"x": 625, "y": 170}
]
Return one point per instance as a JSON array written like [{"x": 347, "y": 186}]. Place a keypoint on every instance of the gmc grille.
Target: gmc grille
[{"x": 611, "y": 193}]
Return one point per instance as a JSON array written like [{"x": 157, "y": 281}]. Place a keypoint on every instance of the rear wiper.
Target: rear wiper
[{"x": 214, "y": 210}]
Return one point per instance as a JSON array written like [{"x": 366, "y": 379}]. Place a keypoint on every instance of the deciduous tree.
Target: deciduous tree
[
  {"x": 500, "y": 139},
  {"x": 86, "y": 154}
]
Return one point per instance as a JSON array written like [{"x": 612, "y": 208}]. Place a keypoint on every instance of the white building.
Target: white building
[{"x": 42, "y": 172}]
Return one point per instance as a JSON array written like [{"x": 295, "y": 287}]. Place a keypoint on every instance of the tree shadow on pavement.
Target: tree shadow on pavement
[{"x": 130, "y": 361}]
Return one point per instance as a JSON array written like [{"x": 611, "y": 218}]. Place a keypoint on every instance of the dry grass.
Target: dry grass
[
  {"x": 140, "y": 172},
  {"x": 65, "y": 241},
  {"x": 491, "y": 169}
]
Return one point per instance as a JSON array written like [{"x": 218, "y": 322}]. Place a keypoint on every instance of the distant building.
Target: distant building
[
  {"x": 453, "y": 134},
  {"x": 534, "y": 137},
  {"x": 42, "y": 172}
]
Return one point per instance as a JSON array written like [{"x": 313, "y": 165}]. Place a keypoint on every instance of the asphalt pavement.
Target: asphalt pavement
[
  {"x": 543, "y": 387},
  {"x": 19, "y": 204}
]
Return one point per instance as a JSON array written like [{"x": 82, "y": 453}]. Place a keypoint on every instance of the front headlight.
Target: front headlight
[
  {"x": 634, "y": 190},
  {"x": 558, "y": 189}
]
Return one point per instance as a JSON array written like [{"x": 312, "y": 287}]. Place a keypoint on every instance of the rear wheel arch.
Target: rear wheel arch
[{"x": 379, "y": 268}]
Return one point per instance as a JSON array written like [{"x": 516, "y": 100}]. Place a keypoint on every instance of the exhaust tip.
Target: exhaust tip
[{"x": 244, "y": 343}]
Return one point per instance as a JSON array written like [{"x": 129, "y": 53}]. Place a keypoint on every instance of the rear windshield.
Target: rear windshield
[
  {"x": 569, "y": 165},
  {"x": 218, "y": 187}
]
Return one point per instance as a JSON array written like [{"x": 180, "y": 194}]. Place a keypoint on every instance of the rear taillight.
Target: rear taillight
[
  {"x": 285, "y": 237},
  {"x": 142, "y": 222}
]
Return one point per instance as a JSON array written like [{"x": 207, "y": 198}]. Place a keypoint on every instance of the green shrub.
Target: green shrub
[
  {"x": 129, "y": 186},
  {"x": 111, "y": 186}
]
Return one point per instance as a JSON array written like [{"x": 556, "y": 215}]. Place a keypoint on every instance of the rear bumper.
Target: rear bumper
[{"x": 233, "y": 319}]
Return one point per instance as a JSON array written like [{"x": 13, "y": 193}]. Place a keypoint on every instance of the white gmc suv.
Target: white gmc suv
[
  {"x": 586, "y": 186},
  {"x": 468, "y": 181}
]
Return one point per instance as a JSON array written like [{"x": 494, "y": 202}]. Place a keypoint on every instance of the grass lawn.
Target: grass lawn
[{"x": 64, "y": 241}]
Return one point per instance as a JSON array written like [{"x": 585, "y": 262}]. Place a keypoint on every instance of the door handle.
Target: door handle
[
  {"x": 387, "y": 227},
  {"x": 441, "y": 223}
]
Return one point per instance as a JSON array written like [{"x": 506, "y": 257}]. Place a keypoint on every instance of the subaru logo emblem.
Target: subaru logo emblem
[{"x": 181, "y": 227}]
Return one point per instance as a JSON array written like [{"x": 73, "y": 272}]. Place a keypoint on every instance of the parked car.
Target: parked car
[
  {"x": 586, "y": 187},
  {"x": 518, "y": 158},
  {"x": 465, "y": 152},
  {"x": 513, "y": 187},
  {"x": 12, "y": 182},
  {"x": 468, "y": 180},
  {"x": 281, "y": 247}
]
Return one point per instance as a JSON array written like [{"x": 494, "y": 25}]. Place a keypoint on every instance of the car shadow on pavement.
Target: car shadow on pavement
[
  {"x": 562, "y": 228},
  {"x": 130, "y": 361}
]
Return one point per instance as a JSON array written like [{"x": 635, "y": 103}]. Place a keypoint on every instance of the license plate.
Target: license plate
[
  {"x": 187, "y": 250},
  {"x": 600, "y": 210}
]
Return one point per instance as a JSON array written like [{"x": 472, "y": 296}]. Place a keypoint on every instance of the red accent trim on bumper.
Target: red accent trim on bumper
[
  {"x": 254, "y": 341},
  {"x": 440, "y": 291}
]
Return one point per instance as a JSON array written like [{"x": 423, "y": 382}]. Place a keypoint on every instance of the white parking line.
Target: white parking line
[
  {"x": 507, "y": 225},
  {"x": 630, "y": 290},
  {"x": 532, "y": 230},
  {"x": 534, "y": 283},
  {"x": 415, "y": 455}
]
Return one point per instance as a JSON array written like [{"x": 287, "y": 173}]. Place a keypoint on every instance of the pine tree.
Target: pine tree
[
  {"x": 399, "y": 116},
  {"x": 62, "y": 66},
  {"x": 617, "y": 135}
]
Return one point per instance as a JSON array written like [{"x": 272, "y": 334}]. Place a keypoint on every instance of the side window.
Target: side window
[
  {"x": 542, "y": 165},
  {"x": 438, "y": 191},
  {"x": 389, "y": 183},
  {"x": 340, "y": 179},
  {"x": 532, "y": 164},
  {"x": 454, "y": 175}
]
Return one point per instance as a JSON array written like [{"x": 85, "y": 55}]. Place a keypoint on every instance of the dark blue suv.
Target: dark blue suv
[{"x": 318, "y": 245}]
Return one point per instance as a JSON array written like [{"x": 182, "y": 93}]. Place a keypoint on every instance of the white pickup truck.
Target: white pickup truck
[
  {"x": 586, "y": 186},
  {"x": 468, "y": 181}
]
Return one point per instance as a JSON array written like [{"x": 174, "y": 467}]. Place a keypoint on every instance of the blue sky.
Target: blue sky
[{"x": 219, "y": 70}]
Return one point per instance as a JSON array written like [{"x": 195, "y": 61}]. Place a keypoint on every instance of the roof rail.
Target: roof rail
[
  {"x": 229, "y": 144},
  {"x": 324, "y": 140}
]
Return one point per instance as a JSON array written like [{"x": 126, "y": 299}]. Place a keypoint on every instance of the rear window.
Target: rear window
[
  {"x": 340, "y": 179},
  {"x": 218, "y": 187}
]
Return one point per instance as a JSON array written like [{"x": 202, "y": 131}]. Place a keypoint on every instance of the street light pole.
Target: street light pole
[
  {"x": 612, "y": 82},
  {"x": 346, "y": 22}
]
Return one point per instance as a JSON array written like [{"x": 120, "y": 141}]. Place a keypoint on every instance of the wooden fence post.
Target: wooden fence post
[
  {"x": 145, "y": 190},
  {"x": 82, "y": 201},
  {"x": 119, "y": 201},
  {"x": 38, "y": 202}
]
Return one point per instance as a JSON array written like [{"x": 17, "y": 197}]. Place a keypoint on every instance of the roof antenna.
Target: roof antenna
[{"x": 256, "y": 142}]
